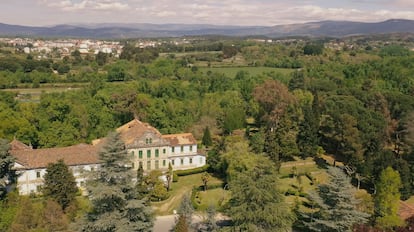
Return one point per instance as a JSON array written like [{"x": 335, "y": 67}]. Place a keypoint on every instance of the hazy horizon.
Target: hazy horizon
[{"x": 231, "y": 12}]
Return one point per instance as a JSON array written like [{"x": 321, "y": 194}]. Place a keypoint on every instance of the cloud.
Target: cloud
[
  {"x": 70, "y": 5},
  {"x": 234, "y": 12}
]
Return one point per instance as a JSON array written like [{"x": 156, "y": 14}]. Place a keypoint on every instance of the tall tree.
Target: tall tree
[
  {"x": 207, "y": 137},
  {"x": 60, "y": 184},
  {"x": 210, "y": 222},
  {"x": 6, "y": 164},
  {"x": 308, "y": 140},
  {"x": 337, "y": 205},
  {"x": 256, "y": 203},
  {"x": 115, "y": 206},
  {"x": 387, "y": 199},
  {"x": 186, "y": 209}
]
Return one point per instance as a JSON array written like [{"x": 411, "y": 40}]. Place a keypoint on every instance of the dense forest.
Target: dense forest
[{"x": 350, "y": 99}]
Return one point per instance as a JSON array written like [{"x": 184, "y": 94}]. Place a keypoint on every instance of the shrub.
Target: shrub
[{"x": 191, "y": 171}]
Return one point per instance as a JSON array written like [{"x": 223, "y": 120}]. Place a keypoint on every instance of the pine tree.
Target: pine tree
[
  {"x": 6, "y": 164},
  {"x": 256, "y": 203},
  {"x": 207, "y": 137},
  {"x": 60, "y": 184},
  {"x": 308, "y": 140},
  {"x": 336, "y": 205},
  {"x": 115, "y": 206}
]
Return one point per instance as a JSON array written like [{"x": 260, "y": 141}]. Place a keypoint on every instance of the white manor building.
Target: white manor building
[{"x": 146, "y": 146}]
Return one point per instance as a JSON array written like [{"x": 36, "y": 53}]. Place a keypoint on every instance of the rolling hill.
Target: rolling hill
[{"x": 119, "y": 30}]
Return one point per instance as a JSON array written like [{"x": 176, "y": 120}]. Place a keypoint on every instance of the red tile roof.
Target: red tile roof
[
  {"x": 17, "y": 145},
  {"x": 80, "y": 154},
  {"x": 180, "y": 139},
  {"x": 406, "y": 210},
  {"x": 135, "y": 129}
]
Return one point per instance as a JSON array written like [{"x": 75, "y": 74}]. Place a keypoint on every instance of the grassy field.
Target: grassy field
[
  {"x": 184, "y": 186},
  {"x": 218, "y": 196},
  {"x": 253, "y": 71},
  {"x": 33, "y": 94}
]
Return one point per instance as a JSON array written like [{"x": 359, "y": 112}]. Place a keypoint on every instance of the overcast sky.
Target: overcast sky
[{"x": 220, "y": 12}]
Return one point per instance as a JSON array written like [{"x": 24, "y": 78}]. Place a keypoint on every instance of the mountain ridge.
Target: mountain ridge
[{"x": 144, "y": 30}]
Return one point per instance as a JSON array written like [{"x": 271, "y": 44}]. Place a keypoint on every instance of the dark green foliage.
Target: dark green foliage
[
  {"x": 207, "y": 141},
  {"x": 6, "y": 164},
  {"x": 101, "y": 58},
  {"x": 257, "y": 141},
  {"x": 191, "y": 171},
  {"x": 313, "y": 49},
  {"x": 335, "y": 205},
  {"x": 308, "y": 139},
  {"x": 394, "y": 50},
  {"x": 256, "y": 203},
  {"x": 59, "y": 184},
  {"x": 115, "y": 203}
]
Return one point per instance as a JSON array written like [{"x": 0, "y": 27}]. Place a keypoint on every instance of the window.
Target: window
[
  {"x": 133, "y": 165},
  {"x": 148, "y": 153},
  {"x": 149, "y": 165},
  {"x": 191, "y": 148},
  {"x": 157, "y": 153},
  {"x": 182, "y": 161},
  {"x": 163, "y": 151},
  {"x": 38, "y": 188},
  {"x": 146, "y": 141},
  {"x": 164, "y": 163},
  {"x": 173, "y": 149},
  {"x": 140, "y": 164},
  {"x": 157, "y": 164},
  {"x": 191, "y": 160},
  {"x": 182, "y": 148},
  {"x": 132, "y": 154},
  {"x": 172, "y": 162},
  {"x": 150, "y": 140},
  {"x": 37, "y": 174},
  {"x": 140, "y": 154}
]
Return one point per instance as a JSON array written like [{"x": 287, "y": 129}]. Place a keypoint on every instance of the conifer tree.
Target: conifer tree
[
  {"x": 115, "y": 206},
  {"x": 207, "y": 137},
  {"x": 256, "y": 203},
  {"x": 335, "y": 203},
  {"x": 308, "y": 140},
  {"x": 60, "y": 184}
]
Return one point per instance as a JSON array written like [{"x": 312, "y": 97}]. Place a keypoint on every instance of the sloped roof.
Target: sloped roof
[
  {"x": 180, "y": 139},
  {"x": 406, "y": 210},
  {"x": 135, "y": 129},
  {"x": 80, "y": 154},
  {"x": 17, "y": 145}
]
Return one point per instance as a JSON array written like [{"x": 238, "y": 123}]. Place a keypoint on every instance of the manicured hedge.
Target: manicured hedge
[{"x": 191, "y": 171}]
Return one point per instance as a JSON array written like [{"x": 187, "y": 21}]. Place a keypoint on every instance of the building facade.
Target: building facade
[{"x": 145, "y": 145}]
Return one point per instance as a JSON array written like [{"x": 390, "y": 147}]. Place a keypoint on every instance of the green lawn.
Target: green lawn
[
  {"x": 218, "y": 196},
  {"x": 184, "y": 186}
]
